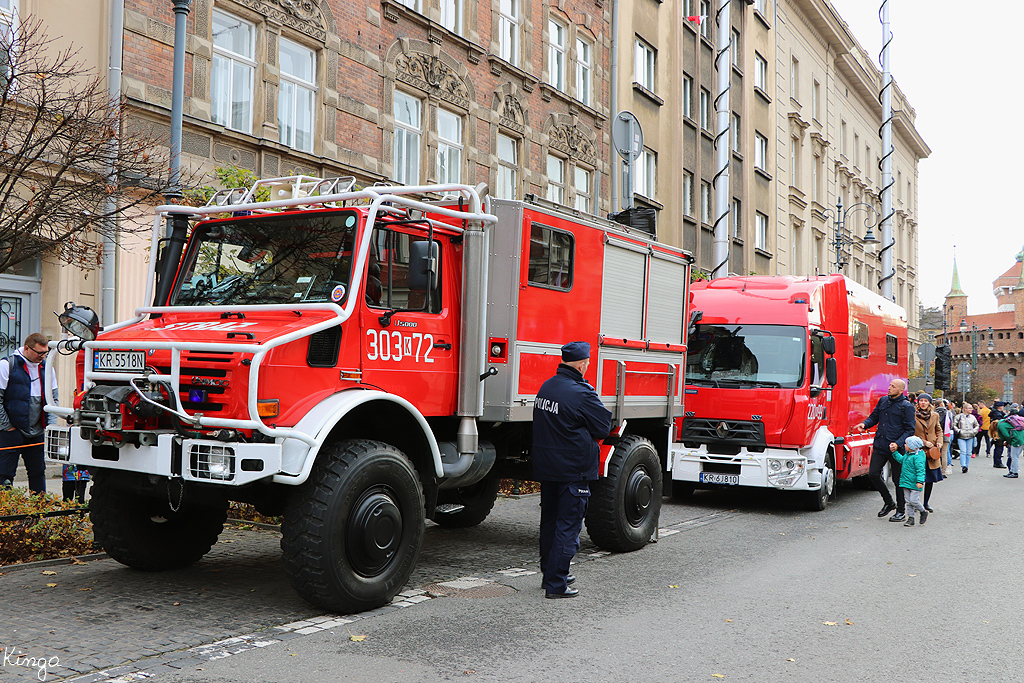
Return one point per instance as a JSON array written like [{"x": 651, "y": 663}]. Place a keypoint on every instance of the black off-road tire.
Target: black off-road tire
[
  {"x": 352, "y": 532},
  {"x": 816, "y": 501},
  {"x": 477, "y": 501},
  {"x": 144, "y": 533},
  {"x": 625, "y": 505}
]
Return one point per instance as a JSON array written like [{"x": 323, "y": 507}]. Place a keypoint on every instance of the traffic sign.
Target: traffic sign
[
  {"x": 926, "y": 352},
  {"x": 963, "y": 377}
]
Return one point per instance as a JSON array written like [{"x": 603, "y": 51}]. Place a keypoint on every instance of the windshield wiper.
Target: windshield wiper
[{"x": 702, "y": 380}]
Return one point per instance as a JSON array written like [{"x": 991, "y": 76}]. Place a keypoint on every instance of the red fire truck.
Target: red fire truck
[
  {"x": 778, "y": 370},
  {"x": 358, "y": 361}
]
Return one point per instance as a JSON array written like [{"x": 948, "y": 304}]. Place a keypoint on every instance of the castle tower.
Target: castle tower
[
  {"x": 956, "y": 301},
  {"x": 1018, "y": 294}
]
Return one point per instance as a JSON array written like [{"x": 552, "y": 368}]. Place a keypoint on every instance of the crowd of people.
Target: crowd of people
[{"x": 918, "y": 437}]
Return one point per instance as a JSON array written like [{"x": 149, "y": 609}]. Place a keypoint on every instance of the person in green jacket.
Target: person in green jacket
[
  {"x": 1014, "y": 439},
  {"x": 913, "y": 466}
]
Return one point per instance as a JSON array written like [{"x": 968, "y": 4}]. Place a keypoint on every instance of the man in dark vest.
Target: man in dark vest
[
  {"x": 568, "y": 418},
  {"x": 22, "y": 419}
]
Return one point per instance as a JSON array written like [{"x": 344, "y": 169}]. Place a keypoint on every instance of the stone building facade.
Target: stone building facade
[
  {"x": 510, "y": 93},
  {"x": 997, "y": 338}
]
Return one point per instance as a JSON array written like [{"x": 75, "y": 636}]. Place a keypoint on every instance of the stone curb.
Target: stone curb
[{"x": 6, "y": 568}]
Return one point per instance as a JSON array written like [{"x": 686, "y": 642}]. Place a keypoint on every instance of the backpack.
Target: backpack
[{"x": 1017, "y": 421}]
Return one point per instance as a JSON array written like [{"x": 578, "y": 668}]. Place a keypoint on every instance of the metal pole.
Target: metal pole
[
  {"x": 181, "y": 10},
  {"x": 612, "y": 154},
  {"x": 723, "y": 64},
  {"x": 839, "y": 234},
  {"x": 974, "y": 346},
  {"x": 888, "y": 243},
  {"x": 108, "y": 299}
]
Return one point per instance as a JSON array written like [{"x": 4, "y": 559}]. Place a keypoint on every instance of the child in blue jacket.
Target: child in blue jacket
[{"x": 912, "y": 477}]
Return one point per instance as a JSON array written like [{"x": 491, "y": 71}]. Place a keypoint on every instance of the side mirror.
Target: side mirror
[
  {"x": 423, "y": 265},
  {"x": 695, "y": 317},
  {"x": 831, "y": 370},
  {"x": 829, "y": 345}
]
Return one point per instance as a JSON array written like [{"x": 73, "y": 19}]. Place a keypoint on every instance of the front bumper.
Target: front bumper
[
  {"x": 203, "y": 460},
  {"x": 794, "y": 472}
]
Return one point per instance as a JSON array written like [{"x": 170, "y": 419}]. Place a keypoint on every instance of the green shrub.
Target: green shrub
[{"x": 40, "y": 538}]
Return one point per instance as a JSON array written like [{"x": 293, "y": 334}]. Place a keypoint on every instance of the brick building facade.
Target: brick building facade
[
  {"x": 998, "y": 338},
  {"x": 507, "y": 92}
]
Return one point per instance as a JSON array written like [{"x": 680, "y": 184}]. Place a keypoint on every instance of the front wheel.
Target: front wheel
[
  {"x": 818, "y": 500},
  {"x": 624, "y": 509},
  {"x": 352, "y": 532},
  {"x": 145, "y": 533}
]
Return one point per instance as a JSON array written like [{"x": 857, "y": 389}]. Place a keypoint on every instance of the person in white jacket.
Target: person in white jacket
[{"x": 965, "y": 428}]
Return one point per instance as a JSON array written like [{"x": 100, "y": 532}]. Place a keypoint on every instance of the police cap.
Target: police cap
[{"x": 577, "y": 350}]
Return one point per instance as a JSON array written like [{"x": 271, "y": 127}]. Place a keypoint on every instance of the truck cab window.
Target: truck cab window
[
  {"x": 860, "y": 339},
  {"x": 551, "y": 258},
  {"x": 892, "y": 353},
  {"x": 387, "y": 276},
  {"x": 747, "y": 356},
  {"x": 275, "y": 259},
  {"x": 817, "y": 361}
]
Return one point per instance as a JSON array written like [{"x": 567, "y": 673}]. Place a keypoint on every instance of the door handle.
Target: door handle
[{"x": 443, "y": 345}]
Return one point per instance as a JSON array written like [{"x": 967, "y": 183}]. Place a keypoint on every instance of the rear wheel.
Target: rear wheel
[
  {"x": 353, "y": 531},
  {"x": 467, "y": 506},
  {"x": 145, "y": 533},
  {"x": 624, "y": 509}
]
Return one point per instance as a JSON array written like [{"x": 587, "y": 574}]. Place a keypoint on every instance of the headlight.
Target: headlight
[
  {"x": 784, "y": 473},
  {"x": 219, "y": 466}
]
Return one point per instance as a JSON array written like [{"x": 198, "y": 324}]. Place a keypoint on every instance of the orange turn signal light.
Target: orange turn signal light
[{"x": 268, "y": 407}]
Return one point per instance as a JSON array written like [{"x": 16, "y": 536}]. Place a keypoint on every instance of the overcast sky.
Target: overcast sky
[{"x": 956, "y": 62}]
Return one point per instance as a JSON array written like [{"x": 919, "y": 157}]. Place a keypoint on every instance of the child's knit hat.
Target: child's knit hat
[{"x": 914, "y": 443}]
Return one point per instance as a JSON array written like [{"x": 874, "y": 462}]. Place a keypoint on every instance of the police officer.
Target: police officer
[
  {"x": 894, "y": 415},
  {"x": 568, "y": 418}
]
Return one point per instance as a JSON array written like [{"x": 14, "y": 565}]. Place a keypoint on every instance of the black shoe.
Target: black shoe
[
  {"x": 569, "y": 580},
  {"x": 924, "y": 517},
  {"x": 927, "y": 509},
  {"x": 886, "y": 509},
  {"x": 963, "y": 470},
  {"x": 909, "y": 522},
  {"x": 569, "y": 593},
  {"x": 898, "y": 517}
]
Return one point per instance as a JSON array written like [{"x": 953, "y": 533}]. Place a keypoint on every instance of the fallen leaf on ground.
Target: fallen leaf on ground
[
  {"x": 849, "y": 623},
  {"x": 911, "y": 574},
  {"x": 357, "y": 639},
  {"x": 176, "y": 604},
  {"x": 49, "y": 573},
  {"x": 830, "y": 623},
  {"x": 729, "y": 620},
  {"x": 85, "y": 589},
  {"x": 51, "y": 585},
  {"x": 790, "y": 660},
  {"x": 718, "y": 675},
  {"x": 674, "y": 585}
]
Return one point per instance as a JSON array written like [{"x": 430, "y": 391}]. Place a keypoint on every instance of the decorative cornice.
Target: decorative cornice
[
  {"x": 569, "y": 139},
  {"x": 429, "y": 73},
  {"x": 305, "y": 16}
]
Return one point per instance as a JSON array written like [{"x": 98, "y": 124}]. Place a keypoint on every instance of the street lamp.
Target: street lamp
[
  {"x": 974, "y": 340},
  {"x": 841, "y": 241}
]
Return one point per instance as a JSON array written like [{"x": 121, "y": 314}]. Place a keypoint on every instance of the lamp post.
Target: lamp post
[
  {"x": 841, "y": 241},
  {"x": 974, "y": 341}
]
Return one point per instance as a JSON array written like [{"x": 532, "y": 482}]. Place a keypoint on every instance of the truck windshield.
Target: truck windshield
[
  {"x": 275, "y": 259},
  {"x": 747, "y": 355}
]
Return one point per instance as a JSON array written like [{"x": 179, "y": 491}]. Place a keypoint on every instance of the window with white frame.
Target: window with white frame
[
  {"x": 644, "y": 174},
  {"x": 451, "y": 15},
  {"x": 856, "y": 150},
  {"x": 687, "y": 8},
  {"x": 761, "y": 6},
  {"x": 736, "y": 134},
  {"x": 408, "y": 134},
  {"x": 687, "y": 193},
  {"x": 231, "y": 77},
  {"x": 584, "y": 70},
  {"x": 557, "y": 37},
  {"x": 556, "y": 179},
  {"x": 760, "y": 72},
  {"x": 705, "y": 109},
  {"x": 842, "y": 137},
  {"x": 449, "y": 147},
  {"x": 705, "y": 24},
  {"x": 582, "y": 186},
  {"x": 794, "y": 162},
  {"x": 734, "y": 49},
  {"x": 794, "y": 79},
  {"x": 761, "y": 231},
  {"x": 705, "y": 202},
  {"x": 508, "y": 167},
  {"x": 816, "y": 100},
  {"x": 760, "y": 152},
  {"x": 687, "y": 96},
  {"x": 412, "y": 4},
  {"x": 737, "y": 218},
  {"x": 296, "y": 95},
  {"x": 8, "y": 31},
  {"x": 819, "y": 172},
  {"x": 508, "y": 31},
  {"x": 643, "y": 71}
]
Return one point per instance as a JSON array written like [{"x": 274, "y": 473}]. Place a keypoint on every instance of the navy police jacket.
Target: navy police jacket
[
  {"x": 567, "y": 418},
  {"x": 895, "y": 420}
]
